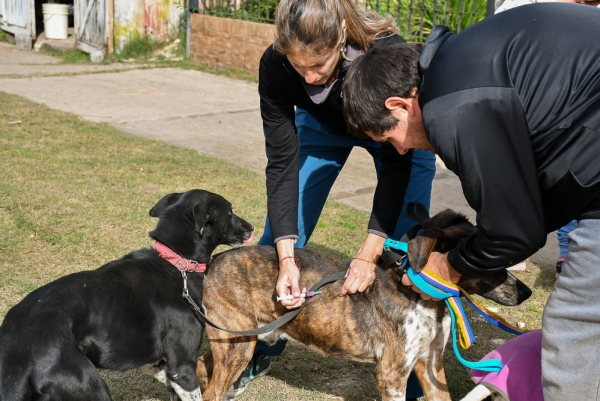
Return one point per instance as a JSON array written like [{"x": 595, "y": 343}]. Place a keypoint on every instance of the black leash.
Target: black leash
[
  {"x": 202, "y": 318},
  {"x": 414, "y": 211}
]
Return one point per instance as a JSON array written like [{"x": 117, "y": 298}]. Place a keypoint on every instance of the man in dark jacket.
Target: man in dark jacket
[{"x": 512, "y": 106}]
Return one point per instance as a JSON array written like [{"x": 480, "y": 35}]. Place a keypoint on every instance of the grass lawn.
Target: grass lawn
[{"x": 75, "y": 195}]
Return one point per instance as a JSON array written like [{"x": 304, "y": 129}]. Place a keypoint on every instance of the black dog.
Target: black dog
[{"x": 127, "y": 314}]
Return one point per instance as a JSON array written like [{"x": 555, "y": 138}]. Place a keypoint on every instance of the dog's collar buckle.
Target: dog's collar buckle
[
  {"x": 187, "y": 265},
  {"x": 182, "y": 264}
]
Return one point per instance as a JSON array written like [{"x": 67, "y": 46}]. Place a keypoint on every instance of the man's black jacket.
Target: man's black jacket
[
  {"x": 512, "y": 106},
  {"x": 281, "y": 88}
]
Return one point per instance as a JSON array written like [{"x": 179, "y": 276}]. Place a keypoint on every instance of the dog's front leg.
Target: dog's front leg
[
  {"x": 230, "y": 355},
  {"x": 204, "y": 369},
  {"x": 391, "y": 375}
]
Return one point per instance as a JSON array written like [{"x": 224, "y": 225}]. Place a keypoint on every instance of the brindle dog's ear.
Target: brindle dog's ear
[
  {"x": 419, "y": 250},
  {"x": 200, "y": 216},
  {"x": 165, "y": 202}
]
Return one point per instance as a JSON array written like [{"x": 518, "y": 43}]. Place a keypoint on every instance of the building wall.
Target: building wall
[
  {"x": 229, "y": 43},
  {"x": 157, "y": 18}
]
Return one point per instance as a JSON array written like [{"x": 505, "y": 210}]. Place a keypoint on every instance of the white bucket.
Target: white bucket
[{"x": 56, "y": 20}]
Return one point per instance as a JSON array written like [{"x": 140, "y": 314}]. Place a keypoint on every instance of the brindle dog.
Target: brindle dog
[{"x": 388, "y": 324}]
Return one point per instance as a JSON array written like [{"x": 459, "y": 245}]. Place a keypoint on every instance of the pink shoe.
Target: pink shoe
[{"x": 518, "y": 267}]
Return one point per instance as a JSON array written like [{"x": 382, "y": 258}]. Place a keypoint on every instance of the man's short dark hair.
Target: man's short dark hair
[{"x": 382, "y": 73}]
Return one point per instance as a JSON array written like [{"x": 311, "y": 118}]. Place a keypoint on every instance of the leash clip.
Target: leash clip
[
  {"x": 395, "y": 254},
  {"x": 185, "y": 288}
]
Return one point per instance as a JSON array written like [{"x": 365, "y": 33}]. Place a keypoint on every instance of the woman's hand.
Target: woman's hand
[
  {"x": 438, "y": 265},
  {"x": 361, "y": 273},
  {"x": 289, "y": 275},
  {"x": 287, "y": 284}
]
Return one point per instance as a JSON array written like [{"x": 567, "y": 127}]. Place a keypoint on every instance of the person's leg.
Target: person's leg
[
  {"x": 272, "y": 350},
  {"x": 561, "y": 236},
  {"x": 571, "y": 322},
  {"x": 563, "y": 243}
]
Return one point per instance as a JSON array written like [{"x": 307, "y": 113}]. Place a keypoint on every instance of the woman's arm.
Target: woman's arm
[{"x": 281, "y": 145}]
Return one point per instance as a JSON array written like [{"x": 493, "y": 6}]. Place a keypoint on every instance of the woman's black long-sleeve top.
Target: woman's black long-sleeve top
[{"x": 281, "y": 88}]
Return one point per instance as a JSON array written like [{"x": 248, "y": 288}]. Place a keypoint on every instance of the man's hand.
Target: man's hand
[
  {"x": 438, "y": 265},
  {"x": 361, "y": 272},
  {"x": 289, "y": 275}
]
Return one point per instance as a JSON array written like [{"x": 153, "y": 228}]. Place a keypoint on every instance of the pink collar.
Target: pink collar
[{"x": 180, "y": 263}]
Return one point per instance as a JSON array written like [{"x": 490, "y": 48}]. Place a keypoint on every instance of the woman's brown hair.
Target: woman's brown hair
[{"x": 315, "y": 26}]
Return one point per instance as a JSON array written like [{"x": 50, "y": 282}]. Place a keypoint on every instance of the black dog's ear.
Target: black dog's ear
[
  {"x": 419, "y": 250},
  {"x": 200, "y": 217},
  {"x": 165, "y": 202}
]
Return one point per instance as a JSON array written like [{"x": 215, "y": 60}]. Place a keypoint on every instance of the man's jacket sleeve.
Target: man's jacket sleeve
[{"x": 482, "y": 135}]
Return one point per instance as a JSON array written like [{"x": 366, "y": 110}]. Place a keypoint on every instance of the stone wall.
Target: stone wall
[{"x": 229, "y": 43}]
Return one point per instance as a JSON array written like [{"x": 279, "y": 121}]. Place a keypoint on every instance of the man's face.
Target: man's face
[{"x": 408, "y": 133}]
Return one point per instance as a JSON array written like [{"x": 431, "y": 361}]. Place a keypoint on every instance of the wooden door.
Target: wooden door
[
  {"x": 91, "y": 25},
  {"x": 18, "y": 17}
]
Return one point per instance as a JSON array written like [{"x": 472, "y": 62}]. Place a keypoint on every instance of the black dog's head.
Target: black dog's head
[
  {"x": 194, "y": 223},
  {"x": 441, "y": 233}
]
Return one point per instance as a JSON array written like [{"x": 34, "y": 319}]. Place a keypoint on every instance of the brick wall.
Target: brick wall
[{"x": 229, "y": 43}]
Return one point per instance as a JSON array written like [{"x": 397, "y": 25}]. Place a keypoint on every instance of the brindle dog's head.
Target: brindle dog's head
[
  {"x": 194, "y": 223},
  {"x": 441, "y": 233}
]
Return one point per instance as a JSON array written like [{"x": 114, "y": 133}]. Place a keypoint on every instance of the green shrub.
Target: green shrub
[
  {"x": 138, "y": 46},
  {"x": 415, "y": 18}
]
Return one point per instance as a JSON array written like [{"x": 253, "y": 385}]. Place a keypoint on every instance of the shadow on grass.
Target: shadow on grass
[
  {"x": 544, "y": 280},
  {"x": 301, "y": 368},
  {"x": 134, "y": 385}
]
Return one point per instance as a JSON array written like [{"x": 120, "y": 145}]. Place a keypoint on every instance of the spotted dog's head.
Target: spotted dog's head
[
  {"x": 441, "y": 233},
  {"x": 194, "y": 223}
]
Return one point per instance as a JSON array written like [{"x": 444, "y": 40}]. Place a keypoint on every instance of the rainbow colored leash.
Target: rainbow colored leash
[{"x": 439, "y": 288}]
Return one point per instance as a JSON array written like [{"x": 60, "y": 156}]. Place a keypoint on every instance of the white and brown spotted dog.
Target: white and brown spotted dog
[{"x": 388, "y": 324}]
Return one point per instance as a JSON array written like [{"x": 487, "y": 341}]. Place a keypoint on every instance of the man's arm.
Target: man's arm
[{"x": 482, "y": 135}]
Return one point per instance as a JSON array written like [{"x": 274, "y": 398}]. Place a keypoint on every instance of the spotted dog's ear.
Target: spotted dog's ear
[
  {"x": 164, "y": 203},
  {"x": 419, "y": 250},
  {"x": 200, "y": 216}
]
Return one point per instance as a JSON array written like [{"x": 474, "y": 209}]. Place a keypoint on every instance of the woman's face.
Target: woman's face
[{"x": 316, "y": 70}]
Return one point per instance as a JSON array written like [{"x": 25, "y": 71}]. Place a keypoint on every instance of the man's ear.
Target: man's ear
[
  {"x": 395, "y": 103},
  {"x": 415, "y": 109}
]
